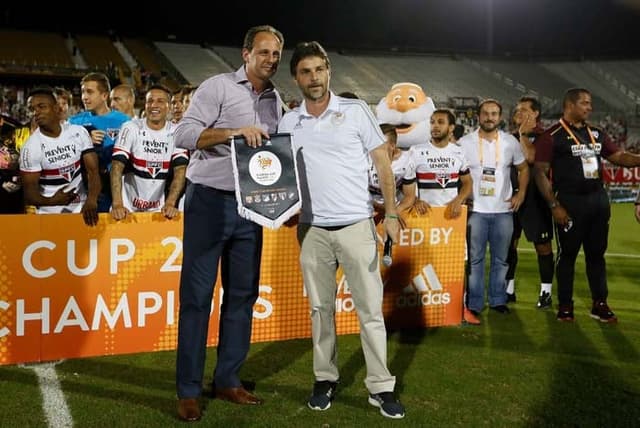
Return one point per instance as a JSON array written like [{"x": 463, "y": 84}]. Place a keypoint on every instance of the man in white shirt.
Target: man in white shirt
[
  {"x": 491, "y": 153},
  {"x": 332, "y": 137}
]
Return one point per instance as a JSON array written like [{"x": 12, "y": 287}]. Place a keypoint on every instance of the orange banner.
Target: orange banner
[{"x": 67, "y": 290}]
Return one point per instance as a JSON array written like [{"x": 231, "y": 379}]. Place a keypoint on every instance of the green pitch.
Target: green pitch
[{"x": 524, "y": 369}]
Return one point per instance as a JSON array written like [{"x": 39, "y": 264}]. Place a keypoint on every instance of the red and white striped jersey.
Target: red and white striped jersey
[
  {"x": 438, "y": 171},
  {"x": 403, "y": 169},
  {"x": 58, "y": 160},
  {"x": 148, "y": 155}
]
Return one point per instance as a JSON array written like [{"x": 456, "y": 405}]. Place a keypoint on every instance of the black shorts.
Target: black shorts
[
  {"x": 535, "y": 217},
  {"x": 517, "y": 227}
]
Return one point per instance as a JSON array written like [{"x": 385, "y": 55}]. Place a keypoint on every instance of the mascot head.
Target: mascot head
[{"x": 409, "y": 108}]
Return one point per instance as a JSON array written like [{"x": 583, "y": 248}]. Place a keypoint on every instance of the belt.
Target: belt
[
  {"x": 214, "y": 190},
  {"x": 223, "y": 192},
  {"x": 334, "y": 228}
]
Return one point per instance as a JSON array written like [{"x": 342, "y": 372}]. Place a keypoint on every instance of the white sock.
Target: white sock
[
  {"x": 545, "y": 288},
  {"x": 511, "y": 285}
]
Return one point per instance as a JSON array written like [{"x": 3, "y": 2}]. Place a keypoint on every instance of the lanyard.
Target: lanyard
[
  {"x": 574, "y": 137},
  {"x": 481, "y": 151}
]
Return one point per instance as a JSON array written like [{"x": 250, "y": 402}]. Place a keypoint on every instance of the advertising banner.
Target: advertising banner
[
  {"x": 69, "y": 291},
  {"x": 613, "y": 174}
]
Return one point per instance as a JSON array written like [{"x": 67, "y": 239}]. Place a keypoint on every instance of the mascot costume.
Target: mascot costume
[{"x": 409, "y": 108}]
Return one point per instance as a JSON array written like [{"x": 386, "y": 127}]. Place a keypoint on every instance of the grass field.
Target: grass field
[{"x": 524, "y": 369}]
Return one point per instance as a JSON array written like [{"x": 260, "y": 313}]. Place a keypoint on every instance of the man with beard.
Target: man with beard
[
  {"x": 332, "y": 137},
  {"x": 491, "y": 153},
  {"x": 572, "y": 151},
  {"x": 443, "y": 176},
  {"x": 241, "y": 103},
  {"x": 441, "y": 168}
]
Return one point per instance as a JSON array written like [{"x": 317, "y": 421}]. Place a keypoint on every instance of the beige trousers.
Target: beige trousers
[{"x": 354, "y": 248}]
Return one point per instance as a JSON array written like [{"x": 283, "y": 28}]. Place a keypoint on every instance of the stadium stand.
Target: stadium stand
[
  {"x": 615, "y": 85},
  {"x": 100, "y": 54},
  {"x": 579, "y": 75},
  {"x": 194, "y": 62},
  {"x": 146, "y": 55},
  {"x": 34, "y": 49},
  {"x": 534, "y": 78},
  {"x": 623, "y": 75}
]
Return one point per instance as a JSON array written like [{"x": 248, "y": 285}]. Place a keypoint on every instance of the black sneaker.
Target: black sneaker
[
  {"x": 544, "y": 301},
  {"x": 511, "y": 297},
  {"x": 323, "y": 393},
  {"x": 388, "y": 405},
  {"x": 601, "y": 312},
  {"x": 565, "y": 313},
  {"x": 503, "y": 309}
]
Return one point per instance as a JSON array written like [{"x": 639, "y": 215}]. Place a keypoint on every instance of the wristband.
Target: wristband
[
  {"x": 391, "y": 216},
  {"x": 553, "y": 204}
]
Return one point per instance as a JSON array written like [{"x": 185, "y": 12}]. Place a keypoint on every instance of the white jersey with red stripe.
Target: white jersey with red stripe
[
  {"x": 58, "y": 160},
  {"x": 403, "y": 169},
  {"x": 438, "y": 171},
  {"x": 148, "y": 155}
]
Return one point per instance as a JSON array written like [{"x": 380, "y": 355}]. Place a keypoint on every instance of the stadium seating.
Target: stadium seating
[
  {"x": 145, "y": 54},
  {"x": 615, "y": 85},
  {"x": 98, "y": 52},
  {"x": 194, "y": 62},
  {"x": 34, "y": 49}
]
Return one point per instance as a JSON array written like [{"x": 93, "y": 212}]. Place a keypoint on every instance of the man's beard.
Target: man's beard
[
  {"x": 484, "y": 125},
  {"x": 441, "y": 138}
]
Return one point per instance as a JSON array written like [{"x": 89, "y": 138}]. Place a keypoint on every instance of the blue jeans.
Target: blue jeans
[{"x": 496, "y": 229}]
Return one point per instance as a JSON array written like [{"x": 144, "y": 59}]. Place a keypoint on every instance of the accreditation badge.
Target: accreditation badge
[
  {"x": 266, "y": 179},
  {"x": 488, "y": 182},
  {"x": 590, "y": 165}
]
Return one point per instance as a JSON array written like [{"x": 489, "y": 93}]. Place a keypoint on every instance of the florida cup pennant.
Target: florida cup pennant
[{"x": 266, "y": 178}]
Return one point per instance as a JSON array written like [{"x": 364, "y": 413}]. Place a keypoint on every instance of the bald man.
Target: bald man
[{"x": 123, "y": 99}]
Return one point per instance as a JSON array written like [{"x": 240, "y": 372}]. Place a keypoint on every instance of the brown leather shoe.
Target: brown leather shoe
[
  {"x": 237, "y": 395},
  {"x": 189, "y": 409}
]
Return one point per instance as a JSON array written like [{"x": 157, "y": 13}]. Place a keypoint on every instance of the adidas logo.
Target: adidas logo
[{"x": 424, "y": 290}]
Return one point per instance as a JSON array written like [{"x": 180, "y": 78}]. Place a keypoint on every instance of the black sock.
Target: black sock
[{"x": 545, "y": 266}]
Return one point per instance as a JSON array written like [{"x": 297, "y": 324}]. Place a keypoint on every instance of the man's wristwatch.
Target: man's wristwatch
[{"x": 553, "y": 204}]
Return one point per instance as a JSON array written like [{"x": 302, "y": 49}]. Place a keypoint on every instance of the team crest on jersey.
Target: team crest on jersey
[
  {"x": 113, "y": 133},
  {"x": 443, "y": 178},
  {"x": 66, "y": 172},
  {"x": 595, "y": 133},
  {"x": 154, "y": 167}
]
